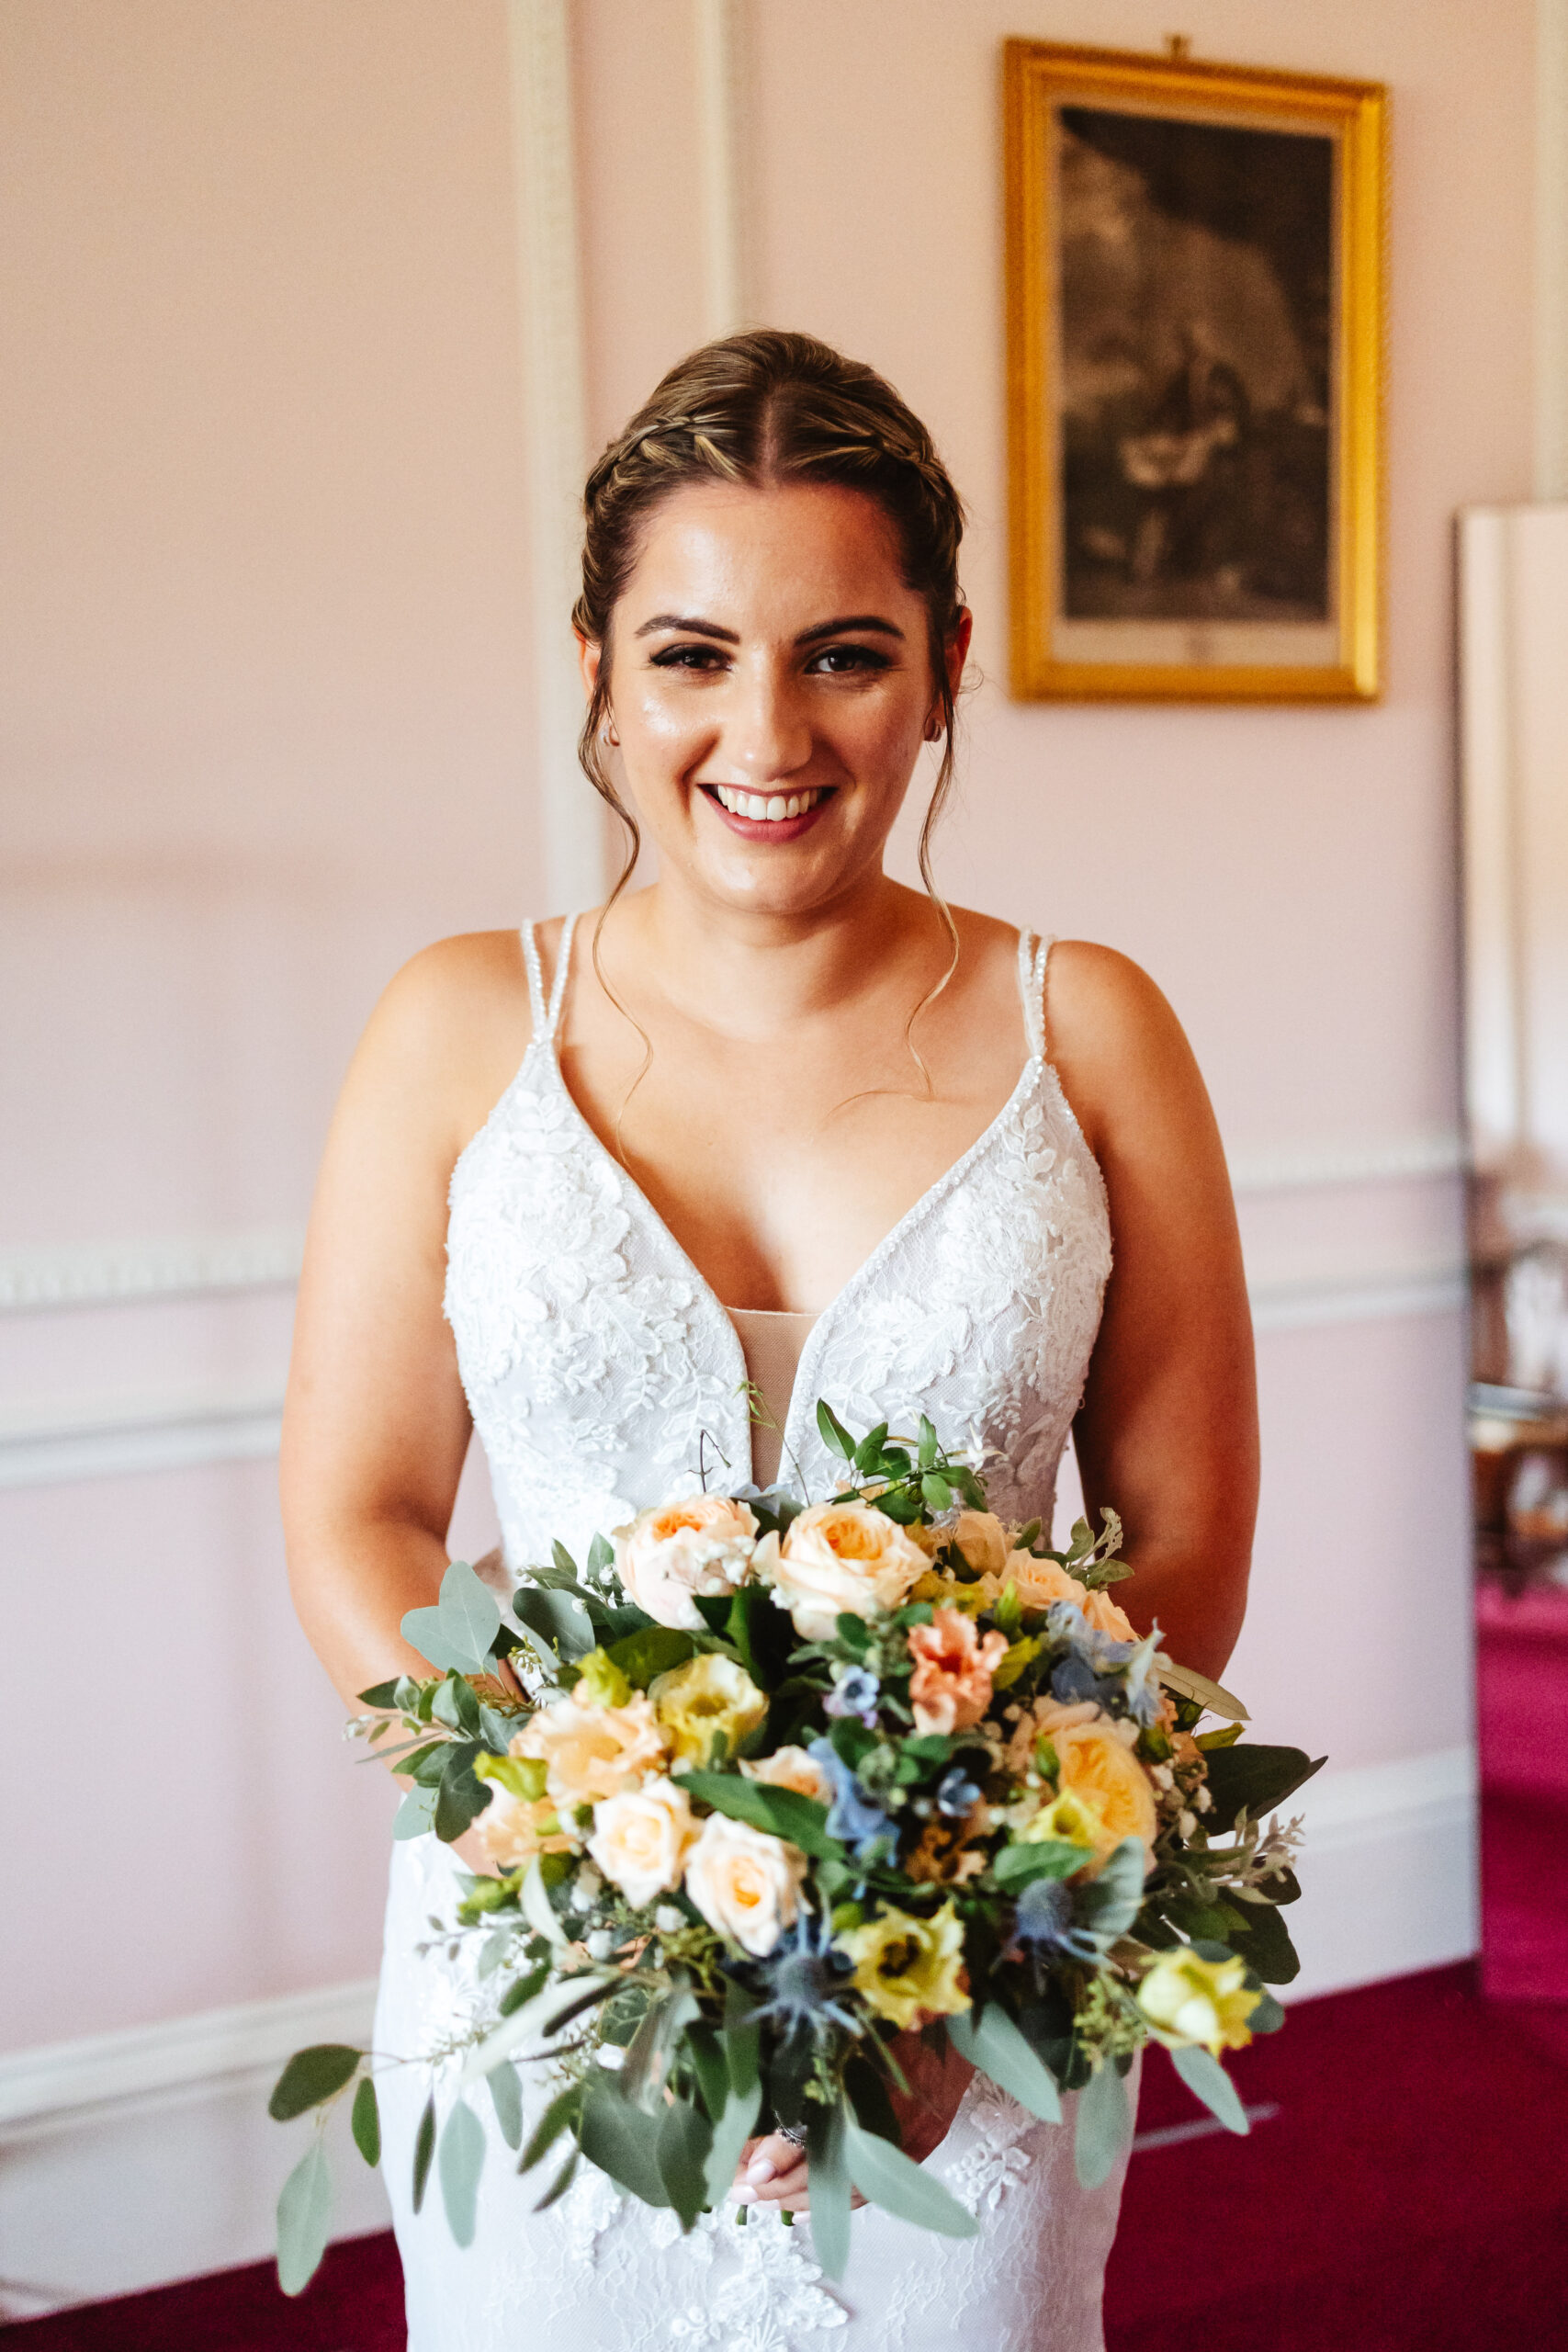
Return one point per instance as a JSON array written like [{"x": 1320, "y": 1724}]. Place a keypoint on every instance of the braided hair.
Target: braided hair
[{"x": 760, "y": 408}]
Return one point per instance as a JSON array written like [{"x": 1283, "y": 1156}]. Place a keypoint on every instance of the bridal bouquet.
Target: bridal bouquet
[{"x": 766, "y": 1786}]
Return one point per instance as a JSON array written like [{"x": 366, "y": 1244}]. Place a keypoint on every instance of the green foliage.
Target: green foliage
[
  {"x": 886, "y": 2176},
  {"x": 365, "y": 2122},
  {"x": 506, "y": 2097},
  {"x": 1108, "y": 1904},
  {"x": 783, "y": 1811},
  {"x": 833, "y": 1433},
  {"x": 304, "y": 2219},
  {"x": 991, "y": 2041},
  {"x": 684, "y": 2144},
  {"x": 560, "y": 1621},
  {"x": 653, "y": 1651},
  {"x": 424, "y": 2149},
  {"x": 461, "y": 1796},
  {"x": 561, "y": 2113},
  {"x": 825, "y": 2135},
  {"x": 415, "y": 1815},
  {"x": 458, "y": 1633},
  {"x": 1016, "y": 1866},
  {"x": 1104, "y": 2125},
  {"x": 461, "y": 2162},
  {"x": 622, "y": 2139},
  {"x": 1254, "y": 1779},
  {"x": 311, "y": 2076},
  {"x": 1207, "y": 2079},
  {"x": 1264, "y": 1942}
]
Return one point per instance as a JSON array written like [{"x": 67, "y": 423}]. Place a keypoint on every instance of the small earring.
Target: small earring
[{"x": 610, "y": 734}]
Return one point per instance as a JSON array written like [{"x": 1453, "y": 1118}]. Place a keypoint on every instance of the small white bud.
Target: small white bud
[
  {"x": 669, "y": 1920},
  {"x": 611, "y": 2056},
  {"x": 600, "y": 1944},
  {"x": 1203, "y": 1800},
  {"x": 1188, "y": 1823}
]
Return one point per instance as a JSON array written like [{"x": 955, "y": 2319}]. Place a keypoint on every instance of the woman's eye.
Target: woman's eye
[
  {"x": 688, "y": 657},
  {"x": 842, "y": 661}
]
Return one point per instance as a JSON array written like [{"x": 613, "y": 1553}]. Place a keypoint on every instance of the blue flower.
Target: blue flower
[
  {"x": 852, "y": 1819},
  {"x": 1119, "y": 1675},
  {"x": 855, "y": 1694},
  {"x": 958, "y": 1795},
  {"x": 1044, "y": 1920},
  {"x": 803, "y": 1972}
]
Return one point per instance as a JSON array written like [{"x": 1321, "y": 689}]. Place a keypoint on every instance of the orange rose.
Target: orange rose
[
  {"x": 1103, "y": 1614},
  {"x": 1096, "y": 1763},
  {"x": 951, "y": 1686},
  {"x": 1040, "y": 1582}
]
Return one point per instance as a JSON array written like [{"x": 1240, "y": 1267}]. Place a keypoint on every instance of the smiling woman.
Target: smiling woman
[{"x": 783, "y": 1097}]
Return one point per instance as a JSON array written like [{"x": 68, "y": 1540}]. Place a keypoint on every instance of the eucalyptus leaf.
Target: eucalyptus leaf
[
  {"x": 415, "y": 1815},
  {"x": 459, "y": 2163},
  {"x": 1187, "y": 1684},
  {"x": 506, "y": 2097},
  {"x": 561, "y": 2182},
  {"x": 1016, "y": 1866},
  {"x": 304, "y": 2219},
  {"x": 732, "y": 2128},
  {"x": 558, "y": 2117},
  {"x": 601, "y": 1556},
  {"x": 311, "y": 2076},
  {"x": 1207, "y": 2079},
  {"x": 686, "y": 2138},
  {"x": 424, "y": 2149},
  {"x": 381, "y": 1694},
  {"x": 1264, "y": 1942},
  {"x": 556, "y": 1617},
  {"x": 460, "y": 1796},
  {"x": 537, "y": 1908},
  {"x": 1109, "y": 1904},
  {"x": 462, "y": 1626},
  {"x": 1104, "y": 2126},
  {"x": 1253, "y": 1778},
  {"x": 829, "y": 2188},
  {"x": 365, "y": 2122},
  {"x": 992, "y": 2042},
  {"x": 622, "y": 2139},
  {"x": 653, "y": 1651},
  {"x": 886, "y": 2176}
]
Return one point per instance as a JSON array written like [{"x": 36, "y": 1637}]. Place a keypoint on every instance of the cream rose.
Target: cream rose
[
  {"x": 745, "y": 1883},
  {"x": 593, "y": 1752},
  {"x": 1040, "y": 1582},
  {"x": 791, "y": 1768},
  {"x": 669, "y": 1556},
  {"x": 641, "y": 1838},
  {"x": 838, "y": 1560},
  {"x": 1102, "y": 1613}
]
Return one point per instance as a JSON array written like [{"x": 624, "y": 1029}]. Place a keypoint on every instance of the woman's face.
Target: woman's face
[{"x": 769, "y": 688}]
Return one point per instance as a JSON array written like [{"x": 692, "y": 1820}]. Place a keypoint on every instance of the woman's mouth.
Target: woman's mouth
[{"x": 768, "y": 816}]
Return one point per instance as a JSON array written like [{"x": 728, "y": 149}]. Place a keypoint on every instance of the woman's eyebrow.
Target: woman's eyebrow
[
  {"x": 850, "y": 621},
  {"x": 692, "y": 626}
]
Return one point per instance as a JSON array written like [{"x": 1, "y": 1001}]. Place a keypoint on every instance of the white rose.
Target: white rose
[
  {"x": 640, "y": 1839},
  {"x": 666, "y": 1557},
  {"x": 838, "y": 1560},
  {"x": 791, "y": 1768},
  {"x": 745, "y": 1883}
]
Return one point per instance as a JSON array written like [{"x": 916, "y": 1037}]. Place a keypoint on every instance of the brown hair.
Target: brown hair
[{"x": 761, "y": 408}]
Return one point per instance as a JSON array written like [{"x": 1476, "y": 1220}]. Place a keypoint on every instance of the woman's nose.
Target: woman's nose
[{"x": 767, "y": 732}]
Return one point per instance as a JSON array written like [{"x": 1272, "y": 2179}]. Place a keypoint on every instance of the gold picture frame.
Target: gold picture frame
[{"x": 1194, "y": 301}]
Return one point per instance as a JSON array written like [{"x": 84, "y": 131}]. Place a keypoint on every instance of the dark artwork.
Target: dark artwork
[{"x": 1197, "y": 280}]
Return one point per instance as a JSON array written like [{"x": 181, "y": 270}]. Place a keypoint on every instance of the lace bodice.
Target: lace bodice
[{"x": 595, "y": 1355}]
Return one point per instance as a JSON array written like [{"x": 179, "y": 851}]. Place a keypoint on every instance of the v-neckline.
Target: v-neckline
[{"x": 913, "y": 1215}]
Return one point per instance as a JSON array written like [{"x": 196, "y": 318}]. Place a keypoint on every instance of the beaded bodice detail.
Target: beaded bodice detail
[{"x": 595, "y": 1357}]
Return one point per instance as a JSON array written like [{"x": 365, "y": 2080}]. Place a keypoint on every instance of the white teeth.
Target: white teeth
[{"x": 770, "y": 809}]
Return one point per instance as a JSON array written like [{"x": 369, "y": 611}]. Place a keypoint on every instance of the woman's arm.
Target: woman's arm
[
  {"x": 1167, "y": 1432},
  {"x": 376, "y": 1426}
]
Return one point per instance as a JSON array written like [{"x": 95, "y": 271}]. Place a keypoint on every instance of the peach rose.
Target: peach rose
[
  {"x": 641, "y": 1837},
  {"x": 666, "y": 1557},
  {"x": 1103, "y": 1613},
  {"x": 982, "y": 1539},
  {"x": 745, "y": 1883},
  {"x": 1040, "y": 1582},
  {"x": 1044, "y": 1720},
  {"x": 1096, "y": 1763},
  {"x": 513, "y": 1830},
  {"x": 838, "y": 1560},
  {"x": 590, "y": 1753},
  {"x": 791, "y": 1768},
  {"x": 951, "y": 1686}
]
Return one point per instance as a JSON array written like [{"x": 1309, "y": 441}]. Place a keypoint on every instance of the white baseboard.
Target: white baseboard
[{"x": 130, "y": 2159}]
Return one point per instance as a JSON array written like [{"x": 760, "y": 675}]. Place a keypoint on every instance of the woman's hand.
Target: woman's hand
[{"x": 773, "y": 2171}]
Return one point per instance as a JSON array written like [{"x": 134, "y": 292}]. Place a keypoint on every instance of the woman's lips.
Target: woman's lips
[{"x": 780, "y": 829}]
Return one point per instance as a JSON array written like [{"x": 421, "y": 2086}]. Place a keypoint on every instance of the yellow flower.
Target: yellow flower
[
  {"x": 909, "y": 1969},
  {"x": 707, "y": 1700},
  {"x": 1067, "y": 1819},
  {"x": 1188, "y": 2000}
]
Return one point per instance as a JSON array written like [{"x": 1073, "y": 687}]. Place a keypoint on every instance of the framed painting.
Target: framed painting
[{"x": 1194, "y": 267}]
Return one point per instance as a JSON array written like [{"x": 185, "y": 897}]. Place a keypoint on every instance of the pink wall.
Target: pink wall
[{"x": 267, "y": 723}]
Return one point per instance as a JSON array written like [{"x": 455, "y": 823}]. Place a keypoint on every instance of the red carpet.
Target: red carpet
[{"x": 1409, "y": 2194}]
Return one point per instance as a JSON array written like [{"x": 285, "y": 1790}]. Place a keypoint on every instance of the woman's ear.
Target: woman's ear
[
  {"x": 590, "y": 654},
  {"x": 956, "y": 652}
]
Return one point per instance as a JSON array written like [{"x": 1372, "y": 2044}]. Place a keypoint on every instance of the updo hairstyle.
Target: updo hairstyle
[{"x": 762, "y": 408}]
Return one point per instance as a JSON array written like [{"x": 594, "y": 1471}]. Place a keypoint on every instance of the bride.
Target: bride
[{"x": 774, "y": 1120}]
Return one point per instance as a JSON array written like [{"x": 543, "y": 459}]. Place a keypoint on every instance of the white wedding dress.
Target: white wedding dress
[{"x": 595, "y": 1357}]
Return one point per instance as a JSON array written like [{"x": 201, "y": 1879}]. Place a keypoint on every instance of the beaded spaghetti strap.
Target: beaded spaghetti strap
[
  {"x": 563, "y": 973},
  {"x": 536, "y": 980},
  {"x": 1037, "y": 993}
]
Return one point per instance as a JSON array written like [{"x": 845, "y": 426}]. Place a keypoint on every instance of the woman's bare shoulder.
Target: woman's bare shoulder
[
  {"x": 1121, "y": 1054},
  {"x": 451, "y": 1028}
]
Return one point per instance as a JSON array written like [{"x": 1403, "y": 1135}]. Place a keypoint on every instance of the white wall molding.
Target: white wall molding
[
  {"x": 108, "y": 1437},
  {"x": 556, "y": 432},
  {"x": 115, "y": 1273},
  {"x": 162, "y": 2132},
  {"x": 1315, "y": 1167},
  {"x": 719, "y": 36},
  {"x": 1379, "y": 1295}
]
